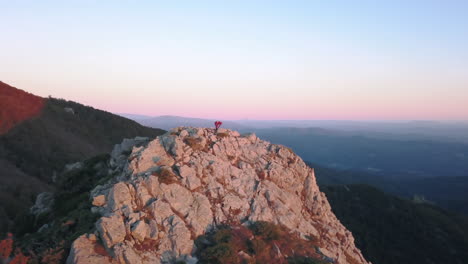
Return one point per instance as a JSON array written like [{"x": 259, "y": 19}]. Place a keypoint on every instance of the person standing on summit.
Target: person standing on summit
[{"x": 217, "y": 125}]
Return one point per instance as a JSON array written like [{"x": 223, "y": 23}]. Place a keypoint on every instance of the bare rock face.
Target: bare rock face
[
  {"x": 43, "y": 204},
  {"x": 189, "y": 180},
  {"x": 86, "y": 249}
]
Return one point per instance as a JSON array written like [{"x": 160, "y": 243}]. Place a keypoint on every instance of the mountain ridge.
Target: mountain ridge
[
  {"x": 44, "y": 135},
  {"x": 191, "y": 180},
  {"x": 17, "y": 106}
]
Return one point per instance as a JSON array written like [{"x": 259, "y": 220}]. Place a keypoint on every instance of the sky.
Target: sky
[{"x": 344, "y": 60}]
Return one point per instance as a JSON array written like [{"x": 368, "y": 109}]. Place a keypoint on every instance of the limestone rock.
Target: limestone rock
[
  {"x": 44, "y": 202},
  {"x": 99, "y": 200},
  {"x": 111, "y": 230},
  {"x": 215, "y": 179},
  {"x": 84, "y": 250},
  {"x": 120, "y": 196},
  {"x": 140, "y": 230}
]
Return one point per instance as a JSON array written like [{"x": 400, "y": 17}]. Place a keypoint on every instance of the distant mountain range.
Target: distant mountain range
[
  {"x": 41, "y": 135},
  {"x": 453, "y": 131},
  {"x": 168, "y": 122}
]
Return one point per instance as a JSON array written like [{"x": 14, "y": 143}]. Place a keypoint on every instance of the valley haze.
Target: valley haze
[{"x": 455, "y": 130}]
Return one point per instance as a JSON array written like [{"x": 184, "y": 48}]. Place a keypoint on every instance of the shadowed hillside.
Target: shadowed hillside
[
  {"x": 447, "y": 191},
  {"x": 392, "y": 230},
  {"x": 38, "y": 146}
]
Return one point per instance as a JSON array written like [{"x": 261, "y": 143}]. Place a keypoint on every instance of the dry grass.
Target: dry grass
[
  {"x": 222, "y": 135},
  {"x": 166, "y": 176},
  {"x": 194, "y": 143},
  {"x": 261, "y": 242},
  {"x": 147, "y": 245},
  {"x": 56, "y": 255},
  {"x": 261, "y": 174},
  {"x": 289, "y": 149}
]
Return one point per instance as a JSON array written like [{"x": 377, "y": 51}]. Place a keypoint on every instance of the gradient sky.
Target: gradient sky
[{"x": 243, "y": 59}]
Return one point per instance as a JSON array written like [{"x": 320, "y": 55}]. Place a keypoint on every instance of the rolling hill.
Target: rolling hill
[
  {"x": 41, "y": 135},
  {"x": 391, "y": 230}
]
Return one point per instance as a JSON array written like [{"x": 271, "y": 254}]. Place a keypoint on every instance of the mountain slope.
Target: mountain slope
[
  {"x": 191, "y": 181},
  {"x": 447, "y": 192},
  {"x": 45, "y": 136},
  {"x": 44, "y": 144},
  {"x": 17, "y": 106},
  {"x": 387, "y": 229},
  {"x": 392, "y": 230}
]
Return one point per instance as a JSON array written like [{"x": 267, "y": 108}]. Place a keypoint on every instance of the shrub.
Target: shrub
[
  {"x": 19, "y": 258},
  {"x": 220, "y": 253},
  {"x": 6, "y": 247},
  {"x": 303, "y": 260},
  {"x": 223, "y": 236},
  {"x": 222, "y": 135},
  {"x": 166, "y": 176},
  {"x": 237, "y": 244},
  {"x": 256, "y": 246},
  {"x": 267, "y": 230}
]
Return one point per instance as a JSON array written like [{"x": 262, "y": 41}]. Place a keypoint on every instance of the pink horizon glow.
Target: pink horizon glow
[{"x": 264, "y": 105}]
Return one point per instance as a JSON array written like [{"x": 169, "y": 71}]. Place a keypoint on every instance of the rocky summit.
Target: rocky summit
[{"x": 167, "y": 192}]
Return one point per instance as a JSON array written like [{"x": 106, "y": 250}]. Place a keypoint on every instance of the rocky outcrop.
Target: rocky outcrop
[
  {"x": 43, "y": 204},
  {"x": 190, "y": 180}
]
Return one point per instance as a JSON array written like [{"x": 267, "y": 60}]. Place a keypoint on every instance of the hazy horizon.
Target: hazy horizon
[{"x": 332, "y": 120}]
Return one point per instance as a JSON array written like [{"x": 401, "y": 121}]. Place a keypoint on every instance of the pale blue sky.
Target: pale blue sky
[{"x": 243, "y": 59}]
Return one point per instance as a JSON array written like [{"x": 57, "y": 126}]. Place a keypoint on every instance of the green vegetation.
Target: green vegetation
[
  {"x": 37, "y": 149},
  {"x": 304, "y": 260},
  {"x": 389, "y": 230},
  {"x": 266, "y": 230},
  {"x": 70, "y": 216},
  {"x": 446, "y": 191},
  {"x": 43, "y": 145},
  {"x": 258, "y": 243}
]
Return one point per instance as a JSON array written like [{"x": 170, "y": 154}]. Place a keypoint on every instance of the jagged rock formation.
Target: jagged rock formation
[{"x": 189, "y": 180}]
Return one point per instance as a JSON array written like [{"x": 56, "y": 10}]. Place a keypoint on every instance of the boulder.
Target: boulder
[
  {"x": 99, "y": 200},
  {"x": 111, "y": 230},
  {"x": 43, "y": 204},
  {"x": 140, "y": 230},
  {"x": 85, "y": 250}
]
